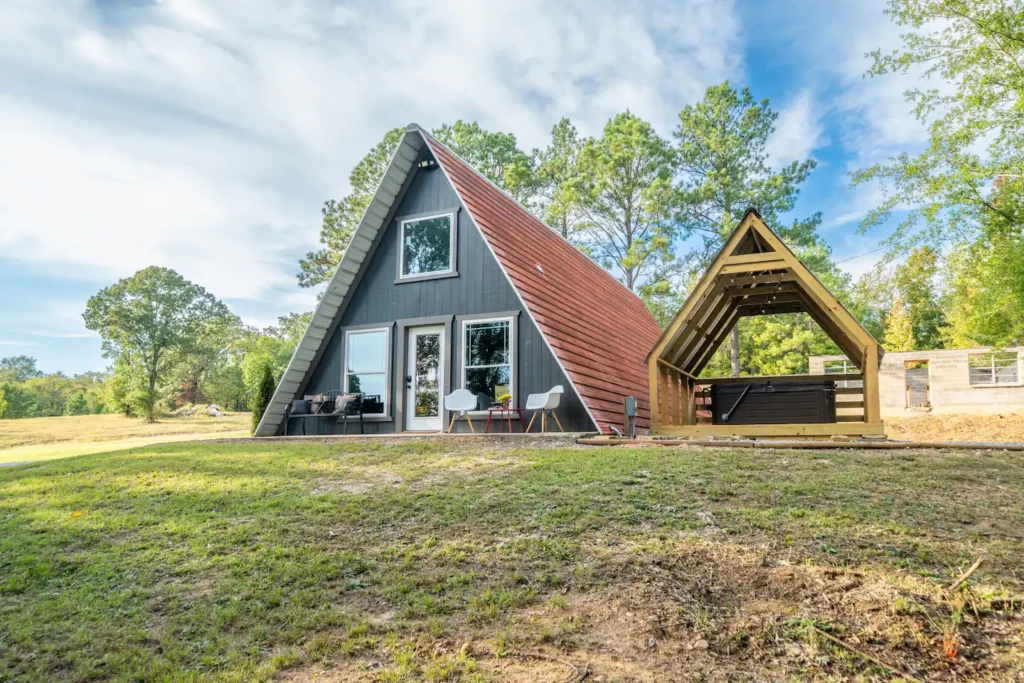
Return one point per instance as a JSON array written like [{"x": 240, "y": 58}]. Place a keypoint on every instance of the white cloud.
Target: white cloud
[
  {"x": 203, "y": 135},
  {"x": 798, "y": 131}
]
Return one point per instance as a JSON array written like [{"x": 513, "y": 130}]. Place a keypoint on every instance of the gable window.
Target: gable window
[
  {"x": 993, "y": 369},
  {"x": 427, "y": 246},
  {"x": 488, "y": 352},
  {"x": 367, "y": 367}
]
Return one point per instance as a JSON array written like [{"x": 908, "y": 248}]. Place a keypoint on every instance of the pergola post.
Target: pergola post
[{"x": 872, "y": 409}]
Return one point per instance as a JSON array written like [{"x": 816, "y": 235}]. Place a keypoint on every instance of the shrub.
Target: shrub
[
  {"x": 77, "y": 405},
  {"x": 261, "y": 397}
]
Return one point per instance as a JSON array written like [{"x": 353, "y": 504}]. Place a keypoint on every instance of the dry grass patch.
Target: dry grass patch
[
  {"x": 90, "y": 428},
  {"x": 1008, "y": 427}
]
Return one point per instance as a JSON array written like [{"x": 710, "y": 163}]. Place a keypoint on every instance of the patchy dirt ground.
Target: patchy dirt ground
[
  {"x": 956, "y": 428},
  {"x": 710, "y": 610}
]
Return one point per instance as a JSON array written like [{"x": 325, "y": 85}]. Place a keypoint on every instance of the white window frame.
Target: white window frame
[
  {"x": 464, "y": 354},
  {"x": 451, "y": 215},
  {"x": 992, "y": 364},
  {"x": 386, "y": 399}
]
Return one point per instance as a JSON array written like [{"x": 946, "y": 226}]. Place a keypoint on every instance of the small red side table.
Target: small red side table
[{"x": 504, "y": 414}]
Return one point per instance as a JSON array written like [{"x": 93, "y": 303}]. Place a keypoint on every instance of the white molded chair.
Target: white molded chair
[
  {"x": 546, "y": 404},
  {"x": 460, "y": 402}
]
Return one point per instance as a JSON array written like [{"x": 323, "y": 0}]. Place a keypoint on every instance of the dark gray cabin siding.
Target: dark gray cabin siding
[{"x": 480, "y": 288}]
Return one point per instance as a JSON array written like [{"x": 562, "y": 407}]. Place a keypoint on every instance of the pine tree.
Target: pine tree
[
  {"x": 899, "y": 328},
  {"x": 261, "y": 397}
]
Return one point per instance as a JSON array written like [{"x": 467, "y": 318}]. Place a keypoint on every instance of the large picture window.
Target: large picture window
[
  {"x": 488, "y": 353},
  {"x": 993, "y": 369},
  {"x": 427, "y": 246},
  {"x": 367, "y": 365}
]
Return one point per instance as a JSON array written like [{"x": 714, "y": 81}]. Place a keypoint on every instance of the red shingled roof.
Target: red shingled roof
[{"x": 599, "y": 330}]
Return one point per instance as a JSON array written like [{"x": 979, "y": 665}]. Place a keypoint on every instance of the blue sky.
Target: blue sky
[{"x": 203, "y": 135}]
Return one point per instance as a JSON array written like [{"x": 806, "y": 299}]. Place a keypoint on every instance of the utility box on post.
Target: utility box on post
[{"x": 629, "y": 423}]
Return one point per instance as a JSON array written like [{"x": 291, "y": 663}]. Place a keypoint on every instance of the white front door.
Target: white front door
[{"x": 426, "y": 368}]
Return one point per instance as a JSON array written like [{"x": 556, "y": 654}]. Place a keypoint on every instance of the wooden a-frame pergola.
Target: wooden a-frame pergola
[{"x": 755, "y": 273}]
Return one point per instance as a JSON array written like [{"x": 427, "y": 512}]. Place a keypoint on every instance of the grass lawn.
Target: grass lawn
[
  {"x": 43, "y": 438},
  {"x": 468, "y": 561}
]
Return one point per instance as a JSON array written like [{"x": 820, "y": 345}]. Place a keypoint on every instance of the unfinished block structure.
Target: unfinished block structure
[{"x": 755, "y": 273}]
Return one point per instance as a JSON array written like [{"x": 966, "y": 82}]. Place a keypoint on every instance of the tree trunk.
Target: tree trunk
[{"x": 734, "y": 350}]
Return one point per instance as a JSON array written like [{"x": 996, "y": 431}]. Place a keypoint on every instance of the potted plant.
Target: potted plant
[{"x": 505, "y": 399}]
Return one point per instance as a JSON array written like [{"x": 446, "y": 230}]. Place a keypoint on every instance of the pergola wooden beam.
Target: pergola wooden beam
[{"x": 774, "y": 264}]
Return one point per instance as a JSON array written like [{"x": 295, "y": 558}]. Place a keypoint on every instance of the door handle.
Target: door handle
[{"x": 408, "y": 380}]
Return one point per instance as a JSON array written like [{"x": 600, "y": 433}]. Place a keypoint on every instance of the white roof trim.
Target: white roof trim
[{"x": 369, "y": 226}]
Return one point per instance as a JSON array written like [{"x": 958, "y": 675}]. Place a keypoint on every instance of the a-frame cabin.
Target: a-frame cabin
[
  {"x": 755, "y": 273},
  {"x": 449, "y": 283}
]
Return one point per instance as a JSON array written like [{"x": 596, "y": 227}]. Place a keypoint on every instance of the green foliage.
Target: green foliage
[
  {"x": 149, "y": 322},
  {"x": 3, "y": 402},
  {"x": 204, "y": 359},
  {"x": 41, "y": 395},
  {"x": 975, "y": 124},
  {"x": 495, "y": 155},
  {"x": 724, "y": 171},
  {"x": 77, "y": 405},
  {"x": 916, "y": 282},
  {"x": 629, "y": 201},
  {"x": 985, "y": 288},
  {"x": 263, "y": 394},
  {"x": 560, "y": 182},
  {"x": 899, "y": 328},
  {"x": 18, "y": 369}
]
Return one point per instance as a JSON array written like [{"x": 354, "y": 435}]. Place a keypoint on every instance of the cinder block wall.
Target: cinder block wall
[{"x": 951, "y": 391}]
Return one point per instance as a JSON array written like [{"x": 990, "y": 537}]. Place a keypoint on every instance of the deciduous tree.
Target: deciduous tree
[
  {"x": 916, "y": 282},
  {"x": 18, "y": 368},
  {"x": 148, "y": 319},
  {"x": 973, "y": 52},
  {"x": 984, "y": 298},
  {"x": 899, "y": 329}
]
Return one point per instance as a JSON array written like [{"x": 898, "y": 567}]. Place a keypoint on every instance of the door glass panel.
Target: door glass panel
[{"x": 428, "y": 375}]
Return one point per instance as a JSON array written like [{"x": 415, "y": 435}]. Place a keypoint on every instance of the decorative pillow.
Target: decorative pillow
[
  {"x": 342, "y": 402},
  {"x": 300, "y": 407}
]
